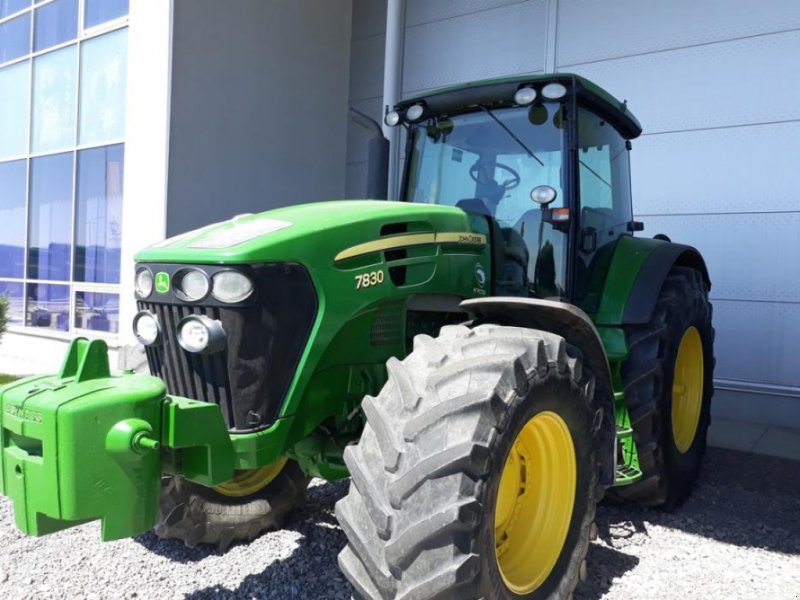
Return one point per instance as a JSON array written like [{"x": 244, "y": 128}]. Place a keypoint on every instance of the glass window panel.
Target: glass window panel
[
  {"x": 15, "y": 38},
  {"x": 97, "y": 311},
  {"x": 9, "y": 7},
  {"x": 103, "y": 78},
  {"x": 54, "y": 102},
  {"x": 55, "y": 23},
  {"x": 48, "y": 306},
  {"x": 14, "y": 109},
  {"x": 100, "y": 11},
  {"x": 50, "y": 217},
  {"x": 99, "y": 214},
  {"x": 13, "y": 291},
  {"x": 12, "y": 218}
]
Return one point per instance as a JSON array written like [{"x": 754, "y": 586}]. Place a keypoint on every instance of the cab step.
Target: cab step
[
  {"x": 626, "y": 475},
  {"x": 627, "y": 458}
]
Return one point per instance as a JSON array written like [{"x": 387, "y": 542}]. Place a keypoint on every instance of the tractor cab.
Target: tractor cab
[{"x": 544, "y": 159}]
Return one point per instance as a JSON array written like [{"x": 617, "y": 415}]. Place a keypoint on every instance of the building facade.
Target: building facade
[
  {"x": 108, "y": 108},
  {"x": 123, "y": 122},
  {"x": 62, "y": 155}
]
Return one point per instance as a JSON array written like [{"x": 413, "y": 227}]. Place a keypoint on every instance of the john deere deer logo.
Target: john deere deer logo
[{"x": 162, "y": 282}]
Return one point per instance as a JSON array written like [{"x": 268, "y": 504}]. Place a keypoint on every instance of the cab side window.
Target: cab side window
[
  {"x": 605, "y": 186},
  {"x": 605, "y": 203}
]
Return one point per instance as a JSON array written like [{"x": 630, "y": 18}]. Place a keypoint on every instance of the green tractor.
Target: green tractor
[{"x": 485, "y": 358}]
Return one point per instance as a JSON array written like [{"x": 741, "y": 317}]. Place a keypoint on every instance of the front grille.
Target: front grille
[
  {"x": 265, "y": 338},
  {"x": 201, "y": 377}
]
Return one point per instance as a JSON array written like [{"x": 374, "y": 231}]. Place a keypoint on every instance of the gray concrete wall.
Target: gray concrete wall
[
  {"x": 258, "y": 106},
  {"x": 716, "y": 85}
]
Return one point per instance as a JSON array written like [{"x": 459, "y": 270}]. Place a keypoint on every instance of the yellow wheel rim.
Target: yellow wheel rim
[
  {"x": 534, "y": 502},
  {"x": 687, "y": 389},
  {"x": 251, "y": 481}
]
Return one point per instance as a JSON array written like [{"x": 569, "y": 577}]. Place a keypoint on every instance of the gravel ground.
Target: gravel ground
[{"x": 738, "y": 537}]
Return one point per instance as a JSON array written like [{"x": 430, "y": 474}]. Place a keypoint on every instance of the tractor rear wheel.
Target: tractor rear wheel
[
  {"x": 668, "y": 383},
  {"x": 476, "y": 474},
  {"x": 237, "y": 511}
]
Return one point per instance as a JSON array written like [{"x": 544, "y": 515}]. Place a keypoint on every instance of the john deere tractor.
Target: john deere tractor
[{"x": 485, "y": 358}]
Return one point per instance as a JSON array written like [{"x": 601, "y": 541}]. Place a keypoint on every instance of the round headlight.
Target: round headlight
[
  {"x": 415, "y": 112},
  {"x": 230, "y": 286},
  {"x": 554, "y": 91},
  {"x": 146, "y": 328},
  {"x": 192, "y": 285},
  {"x": 525, "y": 96},
  {"x": 200, "y": 334},
  {"x": 543, "y": 194},
  {"x": 143, "y": 283},
  {"x": 392, "y": 119}
]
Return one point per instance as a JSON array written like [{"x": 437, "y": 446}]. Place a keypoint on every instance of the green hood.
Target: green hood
[{"x": 308, "y": 233}]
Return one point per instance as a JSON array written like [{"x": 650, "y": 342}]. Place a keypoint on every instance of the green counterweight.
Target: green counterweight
[{"x": 84, "y": 445}]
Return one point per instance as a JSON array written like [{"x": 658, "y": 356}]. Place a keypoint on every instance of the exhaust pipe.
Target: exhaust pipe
[{"x": 377, "y": 156}]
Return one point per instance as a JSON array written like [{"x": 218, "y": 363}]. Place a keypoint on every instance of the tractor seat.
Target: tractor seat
[
  {"x": 528, "y": 225},
  {"x": 474, "y": 205},
  {"x": 509, "y": 258}
]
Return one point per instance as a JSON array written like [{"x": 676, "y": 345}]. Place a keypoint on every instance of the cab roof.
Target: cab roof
[{"x": 499, "y": 92}]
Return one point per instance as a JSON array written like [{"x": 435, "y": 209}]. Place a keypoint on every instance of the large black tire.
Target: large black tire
[
  {"x": 419, "y": 515},
  {"x": 197, "y": 514},
  {"x": 647, "y": 376}
]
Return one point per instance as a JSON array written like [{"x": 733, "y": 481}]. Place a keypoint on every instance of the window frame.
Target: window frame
[
  {"x": 84, "y": 34},
  {"x": 569, "y": 105},
  {"x": 24, "y": 232},
  {"x": 626, "y": 144},
  {"x": 574, "y": 166},
  {"x": 13, "y": 17}
]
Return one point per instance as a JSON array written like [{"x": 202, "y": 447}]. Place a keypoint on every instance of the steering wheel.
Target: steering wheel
[{"x": 476, "y": 173}]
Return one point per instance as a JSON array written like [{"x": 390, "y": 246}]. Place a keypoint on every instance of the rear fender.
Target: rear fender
[
  {"x": 644, "y": 293},
  {"x": 571, "y": 323},
  {"x": 637, "y": 272}
]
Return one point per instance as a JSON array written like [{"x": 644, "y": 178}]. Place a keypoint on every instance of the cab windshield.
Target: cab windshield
[{"x": 488, "y": 162}]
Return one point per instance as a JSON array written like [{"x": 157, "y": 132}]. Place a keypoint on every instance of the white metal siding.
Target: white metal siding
[
  {"x": 737, "y": 82},
  {"x": 750, "y": 168},
  {"x": 501, "y": 40},
  {"x": 592, "y": 30}
]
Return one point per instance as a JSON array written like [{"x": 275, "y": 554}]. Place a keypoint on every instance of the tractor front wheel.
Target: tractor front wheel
[
  {"x": 237, "y": 511},
  {"x": 476, "y": 474}
]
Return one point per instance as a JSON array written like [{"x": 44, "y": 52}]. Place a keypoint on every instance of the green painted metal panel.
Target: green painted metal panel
[
  {"x": 85, "y": 445},
  {"x": 62, "y": 447},
  {"x": 442, "y": 247},
  {"x": 196, "y": 435},
  {"x": 626, "y": 264}
]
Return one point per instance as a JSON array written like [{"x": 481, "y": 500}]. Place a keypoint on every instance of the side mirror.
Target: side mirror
[
  {"x": 635, "y": 226},
  {"x": 377, "y": 156}
]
